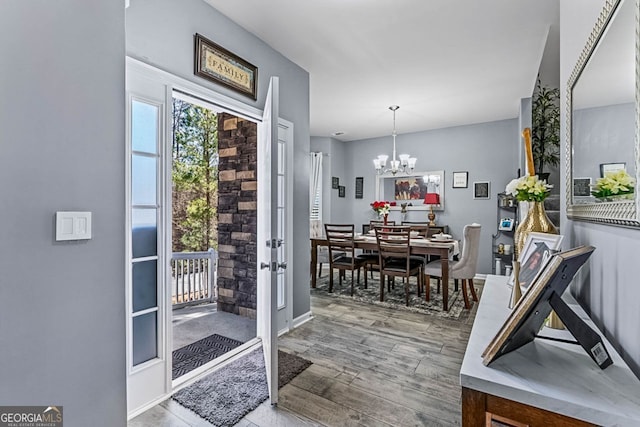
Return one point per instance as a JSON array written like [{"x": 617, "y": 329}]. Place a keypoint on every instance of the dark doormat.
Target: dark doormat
[
  {"x": 227, "y": 395},
  {"x": 194, "y": 355}
]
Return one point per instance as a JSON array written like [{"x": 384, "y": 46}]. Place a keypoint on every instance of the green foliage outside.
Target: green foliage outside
[{"x": 195, "y": 177}]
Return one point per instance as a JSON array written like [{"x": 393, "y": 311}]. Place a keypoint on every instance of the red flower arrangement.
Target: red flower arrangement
[{"x": 381, "y": 207}]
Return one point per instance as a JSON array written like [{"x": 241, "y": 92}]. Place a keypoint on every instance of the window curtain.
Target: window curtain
[{"x": 315, "y": 186}]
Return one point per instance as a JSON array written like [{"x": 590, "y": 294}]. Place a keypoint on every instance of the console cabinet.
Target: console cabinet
[{"x": 547, "y": 382}]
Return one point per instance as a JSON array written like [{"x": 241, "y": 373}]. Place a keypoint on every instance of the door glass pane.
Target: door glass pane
[
  {"x": 281, "y": 158},
  {"x": 143, "y": 180},
  {"x": 144, "y": 233},
  {"x": 145, "y": 338},
  {"x": 144, "y": 127},
  {"x": 144, "y": 285}
]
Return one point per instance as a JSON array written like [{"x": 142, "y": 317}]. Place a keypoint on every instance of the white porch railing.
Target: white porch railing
[{"x": 193, "y": 277}]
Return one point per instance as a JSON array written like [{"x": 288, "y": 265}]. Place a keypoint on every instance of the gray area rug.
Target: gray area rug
[
  {"x": 395, "y": 298},
  {"x": 194, "y": 355},
  {"x": 227, "y": 395}
]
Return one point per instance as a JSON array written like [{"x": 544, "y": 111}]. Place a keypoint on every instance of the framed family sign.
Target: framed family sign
[{"x": 215, "y": 63}]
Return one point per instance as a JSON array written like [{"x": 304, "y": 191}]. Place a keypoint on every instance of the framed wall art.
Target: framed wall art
[
  {"x": 335, "y": 182},
  {"x": 341, "y": 191},
  {"x": 481, "y": 190},
  {"x": 460, "y": 179},
  {"x": 359, "y": 187},
  {"x": 215, "y": 63},
  {"x": 582, "y": 187},
  {"x": 611, "y": 167}
]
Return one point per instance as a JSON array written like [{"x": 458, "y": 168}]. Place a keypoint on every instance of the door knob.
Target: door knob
[
  {"x": 282, "y": 265},
  {"x": 264, "y": 265}
]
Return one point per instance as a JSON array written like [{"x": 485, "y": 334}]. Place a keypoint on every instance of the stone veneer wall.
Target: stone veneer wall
[{"x": 237, "y": 215}]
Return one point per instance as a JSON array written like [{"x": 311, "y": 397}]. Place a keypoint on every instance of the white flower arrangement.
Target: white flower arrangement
[
  {"x": 529, "y": 189},
  {"x": 615, "y": 183}
]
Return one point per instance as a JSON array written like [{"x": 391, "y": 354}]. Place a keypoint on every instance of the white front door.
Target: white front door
[
  {"x": 148, "y": 355},
  {"x": 268, "y": 240}
]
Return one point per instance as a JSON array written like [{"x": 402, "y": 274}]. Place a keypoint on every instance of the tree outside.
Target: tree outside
[{"x": 195, "y": 178}]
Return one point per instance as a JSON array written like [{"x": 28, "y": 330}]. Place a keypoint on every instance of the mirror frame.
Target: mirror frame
[
  {"x": 420, "y": 207},
  {"x": 619, "y": 213}
]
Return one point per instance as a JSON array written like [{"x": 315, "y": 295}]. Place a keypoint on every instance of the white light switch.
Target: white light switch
[{"x": 73, "y": 225}]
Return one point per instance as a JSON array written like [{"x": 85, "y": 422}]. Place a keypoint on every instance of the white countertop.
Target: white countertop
[{"x": 550, "y": 375}]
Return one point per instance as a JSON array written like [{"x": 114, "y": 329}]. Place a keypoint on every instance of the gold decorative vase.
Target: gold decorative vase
[{"x": 536, "y": 220}]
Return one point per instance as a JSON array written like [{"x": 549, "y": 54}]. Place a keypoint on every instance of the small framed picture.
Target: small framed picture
[
  {"x": 341, "y": 191},
  {"x": 582, "y": 187},
  {"x": 335, "y": 182},
  {"x": 506, "y": 224},
  {"x": 482, "y": 190},
  {"x": 536, "y": 251},
  {"x": 359, "y": 187},
  {"x": 611, "y": 167},
  {"x": 460, "y": 179}
]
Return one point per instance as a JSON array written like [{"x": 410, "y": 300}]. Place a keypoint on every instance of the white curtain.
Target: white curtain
[{"x": 315, "y": 186}]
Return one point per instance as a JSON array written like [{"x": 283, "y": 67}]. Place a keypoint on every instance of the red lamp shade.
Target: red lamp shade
[{"x": 432, "y": 199}]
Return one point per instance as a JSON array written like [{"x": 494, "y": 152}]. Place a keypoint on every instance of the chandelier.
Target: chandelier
[{"x": 406, "y": 163}]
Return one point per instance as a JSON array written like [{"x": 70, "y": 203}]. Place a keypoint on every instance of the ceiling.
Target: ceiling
[{"x": 445, "y": 63}]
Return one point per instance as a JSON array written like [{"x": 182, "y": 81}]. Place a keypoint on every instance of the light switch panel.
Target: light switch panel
[{"x": 73, "y": 225}]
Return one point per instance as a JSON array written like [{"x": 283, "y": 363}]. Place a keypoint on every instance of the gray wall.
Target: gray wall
[
  {"x": 607, "y": 288},
  {"x": 62, "y": 313},
  {"x": 160, "y": 33},
  {"x": 488, "y": 151},
  {"x": 603, "y": 135}
]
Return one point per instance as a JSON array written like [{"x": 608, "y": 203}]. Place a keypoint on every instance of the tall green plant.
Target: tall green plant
[{"x": 545, "y": 133}]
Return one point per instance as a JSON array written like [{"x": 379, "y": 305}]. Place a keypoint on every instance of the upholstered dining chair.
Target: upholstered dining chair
[
  {"x": 342, "y": 255},
  {"x": 464, "y": 269},
  {"x": 394, "y": 252}
]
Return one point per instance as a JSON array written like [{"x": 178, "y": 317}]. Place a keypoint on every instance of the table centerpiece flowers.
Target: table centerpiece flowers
[
  {"x": 614, "y": 185},
  {"x": 382, "y": 208}
]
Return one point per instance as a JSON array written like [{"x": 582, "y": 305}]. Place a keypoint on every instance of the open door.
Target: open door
[{"x": 268, "y": 241}]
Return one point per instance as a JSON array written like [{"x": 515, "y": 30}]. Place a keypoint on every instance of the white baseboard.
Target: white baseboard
[{"x": 302, "y": 319}]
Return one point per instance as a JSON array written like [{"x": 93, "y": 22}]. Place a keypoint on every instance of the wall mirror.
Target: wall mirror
[
  {"x": 602, "y": 116},
  {"x": 411, "y": 189}
]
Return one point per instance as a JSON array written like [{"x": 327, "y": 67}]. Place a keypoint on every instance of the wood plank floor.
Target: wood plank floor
[
  {"x": 372, "y": 366},
  {"x": 376, "y": 366}
]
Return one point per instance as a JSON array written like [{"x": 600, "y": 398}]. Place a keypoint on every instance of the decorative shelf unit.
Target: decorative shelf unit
[{"x": 507, "y": 208}]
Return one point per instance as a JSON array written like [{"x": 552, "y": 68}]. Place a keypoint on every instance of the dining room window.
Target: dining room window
[{"x": 315, "y": 187}]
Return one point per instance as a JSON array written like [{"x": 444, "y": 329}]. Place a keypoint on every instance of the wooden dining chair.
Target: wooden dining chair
[
  {"x": 421, "y": 227},
  {"x": 464, "y": 269},
  {"x": 370, "y": 256},
  {"x": 394, "y": 253},
  {"x": 316, "y": 230},
  {"x": 342, "y": 255}
]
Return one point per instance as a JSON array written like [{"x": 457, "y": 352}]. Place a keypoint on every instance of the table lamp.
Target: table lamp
[{"x": 431, "y": 199}]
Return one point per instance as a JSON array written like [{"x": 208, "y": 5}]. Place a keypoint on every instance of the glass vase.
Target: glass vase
[{"x": 385, "y": 218}]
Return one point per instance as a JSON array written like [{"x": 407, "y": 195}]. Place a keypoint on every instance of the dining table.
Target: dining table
[{"x": 419, "y": 246}]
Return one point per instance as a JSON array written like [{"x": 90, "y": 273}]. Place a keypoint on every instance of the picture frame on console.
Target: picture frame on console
[
  {"x": 536, "y": 252},
  {"x": 611, "y": 167}
]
